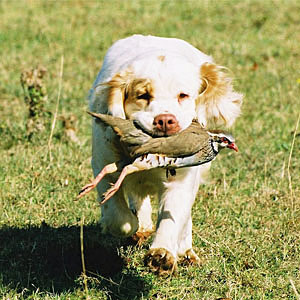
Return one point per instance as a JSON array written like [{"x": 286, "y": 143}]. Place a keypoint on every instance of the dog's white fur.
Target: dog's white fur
[{"x": 170, "y": 67}]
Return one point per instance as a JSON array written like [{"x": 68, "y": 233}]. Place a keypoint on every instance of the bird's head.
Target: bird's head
[{"x": 222, "y": 140}]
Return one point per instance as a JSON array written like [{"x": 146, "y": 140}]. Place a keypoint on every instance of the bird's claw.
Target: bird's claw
[
  {"x": 109, "y": 193},
  {"x": 86, "y": 189}
]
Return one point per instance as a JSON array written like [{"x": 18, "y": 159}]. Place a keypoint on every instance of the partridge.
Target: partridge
[{"x": 191, "y": 147}]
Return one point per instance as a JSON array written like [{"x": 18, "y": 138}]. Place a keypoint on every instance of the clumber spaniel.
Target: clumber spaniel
[{"x": 164, "y": 83}]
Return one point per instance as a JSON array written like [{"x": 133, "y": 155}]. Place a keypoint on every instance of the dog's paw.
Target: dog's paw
[
  {"x": 190, "y": 258},
  {"x": 161, "y": 261},
  {"x": 140, "y": 237}
]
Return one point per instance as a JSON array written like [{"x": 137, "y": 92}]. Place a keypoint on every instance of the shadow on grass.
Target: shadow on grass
[{"x": 49, "y": 259}]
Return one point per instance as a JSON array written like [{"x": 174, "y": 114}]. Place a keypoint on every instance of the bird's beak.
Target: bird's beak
[{"x": 233, "y": 146}]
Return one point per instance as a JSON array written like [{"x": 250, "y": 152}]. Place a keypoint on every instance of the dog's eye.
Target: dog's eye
[
  {"x": 145, "y": 96},
  {"x": 182, "y": 96}
]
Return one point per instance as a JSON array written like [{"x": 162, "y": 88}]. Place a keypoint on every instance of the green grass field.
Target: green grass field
[{"x": 246, "y": 219}]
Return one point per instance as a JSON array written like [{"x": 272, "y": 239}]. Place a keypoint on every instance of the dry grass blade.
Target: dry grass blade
[
  {"x": 56, "y": 108},
  {"x": 289, "y": 162},
  {"x": 294, "y": 289},
  {"x": 82, "y": 258}
]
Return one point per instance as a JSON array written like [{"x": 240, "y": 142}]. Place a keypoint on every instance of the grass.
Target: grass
[{"x": 246, "y": 220}]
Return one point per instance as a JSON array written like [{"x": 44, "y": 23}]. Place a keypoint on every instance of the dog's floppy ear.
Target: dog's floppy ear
[
  {"x": 117, "y": 91},
  {"x": 217, "y": 101}
]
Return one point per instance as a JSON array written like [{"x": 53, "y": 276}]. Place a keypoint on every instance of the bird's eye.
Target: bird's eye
[
  {"x": 224, "y": 140},
  {"x": 182, "y": 96},
  {"x": 145, "y": 96}
]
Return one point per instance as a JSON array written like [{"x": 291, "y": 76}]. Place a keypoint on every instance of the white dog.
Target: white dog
[{"x": 164, "y": 83}]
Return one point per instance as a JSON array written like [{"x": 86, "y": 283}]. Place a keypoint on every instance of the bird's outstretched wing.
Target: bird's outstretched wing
[
  {"x": 185, "y": 143},
  {"x": 126, "y": 129}
]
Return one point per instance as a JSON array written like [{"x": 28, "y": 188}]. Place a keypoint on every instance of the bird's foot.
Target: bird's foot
[
  {"x": 161, "y": 261},
  {"x": 109, "y": 193},
  {"x": 86, "y": 189}
]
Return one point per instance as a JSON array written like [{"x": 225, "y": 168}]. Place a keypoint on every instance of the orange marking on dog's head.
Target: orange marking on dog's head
[
  {"x": 161, "y": 58},
  {"x": 140, "y": 93}
]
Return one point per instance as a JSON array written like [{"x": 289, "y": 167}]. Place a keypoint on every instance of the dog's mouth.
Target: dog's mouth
[
  {"x": 152, "y": 133},
  {"x": 158, "y": 133}
]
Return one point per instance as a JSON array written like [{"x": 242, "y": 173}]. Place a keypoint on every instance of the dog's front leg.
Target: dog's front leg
[{"x": 174, "y": 228}]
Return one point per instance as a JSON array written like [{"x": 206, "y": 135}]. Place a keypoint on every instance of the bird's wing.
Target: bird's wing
[
  {"x": 126, "y": 129},
  {"x": 185, "y": 143},
  {"x": 133, "y": 136}
]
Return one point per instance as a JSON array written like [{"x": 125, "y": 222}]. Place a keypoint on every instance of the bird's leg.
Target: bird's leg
[
  {"x": 115, "y": 187},
  {"x": 111, "y": 168}
]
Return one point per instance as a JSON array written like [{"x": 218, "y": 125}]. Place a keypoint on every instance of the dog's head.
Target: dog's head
[{"x": 166, "y": 92}]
